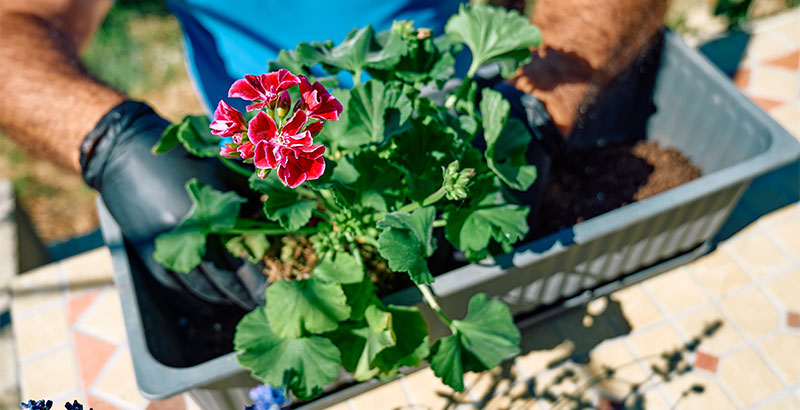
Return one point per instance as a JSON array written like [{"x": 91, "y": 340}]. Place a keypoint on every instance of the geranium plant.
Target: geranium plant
[{"x": 355, "y": 182}]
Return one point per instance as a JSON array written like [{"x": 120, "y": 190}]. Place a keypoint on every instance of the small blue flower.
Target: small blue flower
[
  {"x": 267, "y": 398},
  {"x": 37, "y": 405}
]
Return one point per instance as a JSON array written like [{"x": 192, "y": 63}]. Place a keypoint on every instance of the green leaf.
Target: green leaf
[
  {"x": 341, "y": 267},
  {"x": 305, "y": 364},
  {"x": 411, "y": 346},
  {"x": 286, "y": 207},
  {"x": 334, "y": 133},
  {"x": 493, "y": 34},
  {"x": 488, "y": 331},
  {"x": 506, "y": 142},
  {"x": 310, "y": 305},
  {"x": 181, "y": 250},
  {"x": 212, "y": 210},
  {"x": 480, "y": 341},
  {"x": 168, "y": 140},
  {"x": 252, "y": 246},
  {"x": 196, "y": 137},
  {"x": 406, "y": 240},
  {"x": 376, "y": 112},
  {"x": 471, "y": 229},
  {"x": 358, "y": 51}
]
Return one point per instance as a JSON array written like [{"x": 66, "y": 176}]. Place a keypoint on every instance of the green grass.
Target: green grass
[{"x": 128, "y": 59}]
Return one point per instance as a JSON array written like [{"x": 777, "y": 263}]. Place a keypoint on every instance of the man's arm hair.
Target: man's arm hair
[
  {"x": 585, "y": 43},
  {"x": 48, "y": 101}
]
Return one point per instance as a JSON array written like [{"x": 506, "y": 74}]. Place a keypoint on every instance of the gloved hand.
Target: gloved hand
[{"x": 145, "y": 193}]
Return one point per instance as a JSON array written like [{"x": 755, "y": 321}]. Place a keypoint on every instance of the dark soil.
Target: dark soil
[{"x": 587, "y": 182}]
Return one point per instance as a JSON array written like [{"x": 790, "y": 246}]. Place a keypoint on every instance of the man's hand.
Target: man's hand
[{"x": 145, "y": 193}]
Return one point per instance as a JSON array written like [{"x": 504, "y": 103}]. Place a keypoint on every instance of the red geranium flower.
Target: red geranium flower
[
  {"x": 318, "y": 102},
  {"x": 263, "y": 90},
  {"x": 228, "y": 121},
  {"x": 289, "y": 150}
]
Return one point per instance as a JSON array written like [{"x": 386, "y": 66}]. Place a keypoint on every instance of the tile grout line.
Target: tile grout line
[{"x": 109, "y": 397}]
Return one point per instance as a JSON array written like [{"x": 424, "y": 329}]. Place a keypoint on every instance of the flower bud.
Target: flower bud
[
  {"x": 404, "y": 28},
  {"x": 284, "y": 104},
  {"x": 423, "y": 33}
]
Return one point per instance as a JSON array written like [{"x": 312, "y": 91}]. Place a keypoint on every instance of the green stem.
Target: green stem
[
  {"x": 430, "y": 200},
  {"x": 439, "y": 223},
  {"x": 232, "y": 165},
  {"x": 357, "y": 78},
  {"x": 265, "y": 231},
  {"x": 431, "y": 301}
]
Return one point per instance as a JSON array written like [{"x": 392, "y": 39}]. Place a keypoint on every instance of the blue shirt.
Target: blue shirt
[{"x": 226, "y": 39}]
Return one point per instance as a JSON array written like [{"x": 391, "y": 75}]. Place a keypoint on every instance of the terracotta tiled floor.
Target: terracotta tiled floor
[{"x": 70, "y": 339}]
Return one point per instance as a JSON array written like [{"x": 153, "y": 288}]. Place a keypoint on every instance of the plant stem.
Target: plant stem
[
  {"x": 439, "y": 223},
  {"x": 357, "y": 77},
  {"x": 431, "y": 301},
  {"x": 430, "y": 200},
  {"x": 265, "y": 231},
  {"x": 235, "y": 168}
]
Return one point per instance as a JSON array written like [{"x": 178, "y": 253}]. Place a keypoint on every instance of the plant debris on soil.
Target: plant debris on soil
[{"x": 587, "y": 182}]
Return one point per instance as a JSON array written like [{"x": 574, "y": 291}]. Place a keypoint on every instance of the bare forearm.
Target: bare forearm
[
  {"x": 585, "y": 44},
  {"x": 47, "y": 100}
]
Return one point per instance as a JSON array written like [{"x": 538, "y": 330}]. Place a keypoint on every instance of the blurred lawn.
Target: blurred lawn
[{"x": 137, "y": 50}]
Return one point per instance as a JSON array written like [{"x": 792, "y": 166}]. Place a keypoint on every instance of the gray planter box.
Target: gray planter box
[{"x": 696, "y": 111}]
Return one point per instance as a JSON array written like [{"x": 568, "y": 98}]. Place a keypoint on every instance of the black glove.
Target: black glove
[{"x": 145, "y": 193}]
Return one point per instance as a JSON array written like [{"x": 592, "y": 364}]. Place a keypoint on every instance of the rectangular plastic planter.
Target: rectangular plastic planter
[{"x": 696, "y": 110}]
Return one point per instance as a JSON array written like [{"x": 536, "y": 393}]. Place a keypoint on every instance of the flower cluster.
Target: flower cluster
[
  {"x": 278, "y": 137},
  {"x": 267, "y": 398},
  {"x": 48, "y": 404}
]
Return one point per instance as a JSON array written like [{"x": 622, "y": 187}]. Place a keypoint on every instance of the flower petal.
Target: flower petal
[
  {"x": 249, "y": 88},
  {"x": 262, "y": 128},
  {"x": 246, "y": 150},
  {"x": 295, "y": 124},
  {"x": 315, "y": 128},
  {"x": 260, "y": 156}
]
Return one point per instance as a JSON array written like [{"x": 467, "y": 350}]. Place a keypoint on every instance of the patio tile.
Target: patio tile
[
  {"x": 793, "y": 320},
  {"x": 99, "y": 404},
  {"x": 637, "y": 307},
  {"x": 517, "y": 398},
  {"x": 118, "y": 379},
  {"x": 782, "y": 350},
  {"x": 427, "y": 391},
  {"x": 627, "y": 370},
  {"x": 775, "y": 83},
  {"x": 653, "y": 400},
  {"x": 706, "y": 361},
  {"x": 41, "y": 331},
  {"x": 758, "y": 253},
  {"x": 766, "y": 104},
  {"x": 764, "y": 46},
  {"x": 784, "y": 403},
  {"x": 789, "y": 232},
  {"x": 77, "y": 305},
  {"x": 341, "y": 406},
  {"x": 747, "y": 377},
  {"x": 651, "y": 344},
  {"x": 742, "y": 78},
  {"x": 787, "y": 289},
  {"x": 719, "y": 273},
  {"x": 723, "y": 339},
  {"x": 785, "y": 114},
  {"x": 776, "y": 218},
  {"x": 105, "y": 317},
  {"x": 712, "y": 396},
  {"x": 675, "y": 290},
  {"x": 49, "y": 375},
  {"x": 88, "y": 269},
  {"x": 537, "y": 361},
  {"x": 752, "y": 312},
  {"x": 790, "y": 31},
  {"x": 483, "y": 385},
  {"x": 388, "y": 396},
  {"x": 555, "y": 382},
  {"x": 93, "y": 354},
  {"x": 789, "y": 61},
  {"x": 172, "y": 403},
  {"x": 36, "y": 288}
]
